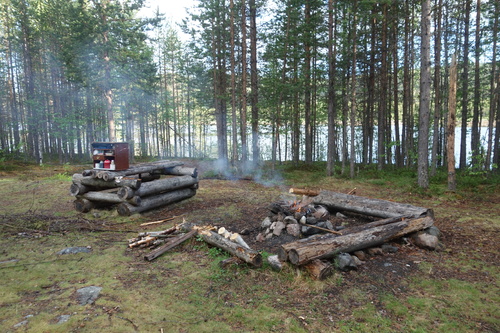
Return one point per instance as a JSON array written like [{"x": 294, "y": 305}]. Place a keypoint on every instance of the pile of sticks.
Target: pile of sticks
[
  {"x": 164, "y": 240},
  {"x": 140, "y": 188}
]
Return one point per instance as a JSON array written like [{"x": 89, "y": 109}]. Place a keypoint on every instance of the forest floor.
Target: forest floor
[{"x": 185, "y": 290}]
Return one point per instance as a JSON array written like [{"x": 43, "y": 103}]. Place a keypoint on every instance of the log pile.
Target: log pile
[
  {"x": 323, "y": 235},
  {"x": 140, "y": 188},
  {"x": 162, "y": 241}
]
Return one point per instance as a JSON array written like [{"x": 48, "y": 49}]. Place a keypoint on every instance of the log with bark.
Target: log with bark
[
  {"x": 181, "y": 171},
  {"x": 158, "y": 186},
  {"x": 109, "y": 175},
  {"x": 82, "y": 184},
  {"x": 249, "y": 256},
  {"x": 301, "y": 191},
  {"x": 372, "y": 207},
  {"x": 126, "y": 209},
  {"x": 327, "y": 246},
  {"x": 108, "y": 197},
  {"x": 319, "y": 269}
]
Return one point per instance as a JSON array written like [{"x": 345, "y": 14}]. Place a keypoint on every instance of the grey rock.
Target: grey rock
[
  {"x": 293, "y": 229},
  {"x": 329, "y": 225},
  {"x": 311, "y": 220},
  {"x": 22, "y": 323},
  {"x": 63, "y": 318},
  {"x": 88, "y": 295},
  {"x": 434, "y": 231},
  {"x": 75, "y": 250},
  {"x": 290, "y": 220},
  {"x": 275, "y": 263},
  {"x": 308, "y": 231},
  {"x": 387, "y": 248},
  {"x": 278, "y": 228},
  {"x": 298, "y": 215},
  {"x": 342, "y": 216},
  {"x": 260, "y": 237},
  {"x": 425, "y": 241},
  {"x": 266, "y": 223},
  {"x": 345, "y": 262},
  {"x": 321, "y": 213}
]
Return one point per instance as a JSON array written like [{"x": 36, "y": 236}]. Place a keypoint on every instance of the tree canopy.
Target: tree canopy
[{"x": 347, "y": 82}]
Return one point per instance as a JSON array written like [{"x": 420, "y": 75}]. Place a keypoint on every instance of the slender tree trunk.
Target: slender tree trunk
[
  {"x": 450, "y": 133},
  {"x": 475, "y": 131},
  {"x": 332, "y": 110},
  {"x": 234, "y": 132},
  {"x": 307, "y": 84},
  {"x": 395, "y": 69},
  {"x": 465, "y": 87},
  {"x": 425, "y": 92},
  {"x": 353, "y": 92},
  {"x": 243, "y": 115},
  {"x": 494, "y": 94},
  {"x": 254, "y": 82},
  {"x": 382, "y": 113},
  {"x": 437, "y": 89}
]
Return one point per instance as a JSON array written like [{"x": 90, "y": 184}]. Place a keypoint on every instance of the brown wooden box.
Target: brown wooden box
[{"x": 117, "y": 152}]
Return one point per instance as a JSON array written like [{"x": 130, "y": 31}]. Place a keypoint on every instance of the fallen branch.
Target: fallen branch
[
  {"x": 320, "y": 228},
  {"x": 160, "y": 221},
  {"x": 169, "y": 245}
]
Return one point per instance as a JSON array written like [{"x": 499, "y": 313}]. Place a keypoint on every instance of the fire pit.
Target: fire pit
[{"x": 327, "y": 224}]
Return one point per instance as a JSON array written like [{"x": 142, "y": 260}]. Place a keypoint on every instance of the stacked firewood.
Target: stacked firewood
[{"x": 140, "y": 188}]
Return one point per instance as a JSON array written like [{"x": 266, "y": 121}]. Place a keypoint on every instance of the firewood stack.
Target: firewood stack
[{"x": 139, "y": 188}]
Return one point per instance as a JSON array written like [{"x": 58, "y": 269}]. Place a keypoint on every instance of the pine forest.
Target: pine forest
[{"x": 386, "y": 83}]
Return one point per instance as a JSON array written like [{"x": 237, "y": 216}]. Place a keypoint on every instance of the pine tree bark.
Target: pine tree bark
[
  {"x": 254, "y": 81},
  {"x": 450, "y": 131},
  {"x": 425, "y": 94}
]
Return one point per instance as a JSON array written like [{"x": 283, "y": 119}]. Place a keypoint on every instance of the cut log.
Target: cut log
[
  {"x": 181, "y": 171},
  {"x": 169, "y": 245},
  {"x": 126, "y": 209},
  {"x": 96, "y": 183},
  {"x": 83, "y": 205},
  {"x": 137, "y": 169},
  {"x": 366, "y": 206},
  {"x": 110, "y": 198},
  {"x": 78, "y": 188},
  {"x": 327, "y": 246},
  {"x": 319, "y": 270},
  {"x": 249, "y": 256},
  {"x": 301, "y": 191},
  {"x": 158, "y": 186}
]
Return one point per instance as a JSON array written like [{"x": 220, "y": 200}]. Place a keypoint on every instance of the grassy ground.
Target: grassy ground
[{"x": 413, "y": 290}]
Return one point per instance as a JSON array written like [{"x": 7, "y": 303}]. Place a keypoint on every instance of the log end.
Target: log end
[
  {"x": 83, "y": 205},
  {"x": 123, "y": 209}
]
